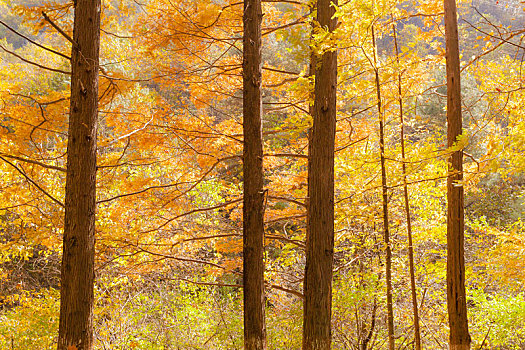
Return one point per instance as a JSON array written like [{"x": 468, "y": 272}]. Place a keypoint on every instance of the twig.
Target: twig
[{"x": 485, "y": 339}]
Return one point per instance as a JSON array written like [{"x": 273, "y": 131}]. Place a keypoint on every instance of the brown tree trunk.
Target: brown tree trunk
[
  {"x": 364, "y": 344},
  {"x": 415, "y": 312},
  {"x": 456, "y": 296},
  {"x": 386, "y": 231},
  {"x": 253, "y": 209},
  {"x": 77, "y": 272},
  {"x": 320, "y": 237}
]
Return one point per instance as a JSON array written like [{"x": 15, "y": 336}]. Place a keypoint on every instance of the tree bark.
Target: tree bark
[
  {"x": 415, "y": 312},
  {"x": 77, "y": 271},
  {"x": 320, "y": 232},
  {"x": 384, "y": 187},
  {"x": 253, "y": 209},
  {"x": 456, "y": 296}
]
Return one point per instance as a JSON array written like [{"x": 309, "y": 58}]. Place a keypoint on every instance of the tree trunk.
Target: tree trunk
[
  {"x": 77, "y": 272},
  {"x": 384, "y": 187},
  {"x": 253, "y": 209},
  {"x": 459, "y": 346},
  {"x": 415, "y": 312},
  {"x": 456, "y": 296},
  {"x": 364, "y": 344},
  {"x": 320, "y": 237}
]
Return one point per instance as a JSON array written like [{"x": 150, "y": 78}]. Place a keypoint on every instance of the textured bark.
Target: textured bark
[
  {"x": 320, "y": 232},
  {"x": 459, "y": 347},
  {"x": 384, "y": 192},
  {"x": 415, "y": 312},
  {"x": 253, "y": 209},
  {"x": 456, "y": 296},
  {"x": 77, "y": 272}
]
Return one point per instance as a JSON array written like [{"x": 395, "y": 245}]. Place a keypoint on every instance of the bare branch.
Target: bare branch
[
  {"x": 292, "y": 155},
  {"x": 64, "y": 34},
  {"x": 291, "y": 291},
  {"x": 199, "y": 210},
  {"x": 171, "y": 257},
  {"x": 34, "y": 42},
  {"x": 43, "y": 165},
  {"x": 34, "y": 63},
  {"x": 288, "y": 240},
  {"x": 208, "y": 283},
  {"x": 33, "y": 182},
  {"x": 291, "y": 217},
  {"x": 301, "y": 204}
]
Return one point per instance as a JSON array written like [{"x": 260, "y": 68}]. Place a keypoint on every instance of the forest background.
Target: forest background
[{"x": 169, "y": 178}]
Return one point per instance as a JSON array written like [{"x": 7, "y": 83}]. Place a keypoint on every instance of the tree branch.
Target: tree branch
[
  {"x": 199, "y": 210},
  {"x": 34, "y": 42},
  {"x": 43, "y": 165},
  {"x": 34, "y": 63},
  {"x": 34, "y": 183},
  {"x": 64, "y": 34}
]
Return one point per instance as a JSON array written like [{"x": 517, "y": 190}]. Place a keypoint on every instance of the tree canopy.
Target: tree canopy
[{"x": 170, "y": 176}]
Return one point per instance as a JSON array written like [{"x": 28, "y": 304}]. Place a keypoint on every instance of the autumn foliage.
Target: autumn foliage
[{"x": 169, "y": 219}]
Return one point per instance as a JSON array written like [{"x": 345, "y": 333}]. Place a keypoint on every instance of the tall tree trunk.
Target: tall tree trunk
[
  {"x": 253, "y": 209},
  {"x": 364, "y": 344},
  {"x": 456, "y": 296},
  {"x": 417, "y": 332},
  {"x": 386, "y": 231},
  {"x": 77, "y": 272},
  {"x": 320, "y": 237}
]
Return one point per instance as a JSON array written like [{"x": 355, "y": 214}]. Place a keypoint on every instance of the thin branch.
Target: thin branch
[
  {"x": 485, "y": 339},
  {"x": 392, "y": 186},
  {"x": 291, "y": 291},
  {"x": 43, "y": 165},
  {"x": 64, "y": 34},
  {"x": 291, "y": 217},
  {"x": 137, "y": 192},
  {"x": 15, "y": 206},
  {"x": 208, "y": 283},
  {"x": 350, "y": 144},
  {"x": 171, "y": 257},
  {"x": 292, "y": 155},
  {"x": 34, "y": 183},
  {"x": 34, "y": 42},
  {"x": 199, "y": 210},
  {"x": 279, "y": 71},
  {"x": 131, "y": 133},
  {"x": 286, "y": 2},
  {"x": 162, "y": 186},
  {"x": 301, "y": 204},
  {"x": 34, "y": 63},
  {"x": 273, "y": 286},
  {"x": 207, "y": 237},
  {"x": 291, "y": 24},
  {"x": 288, "y": 240}
]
